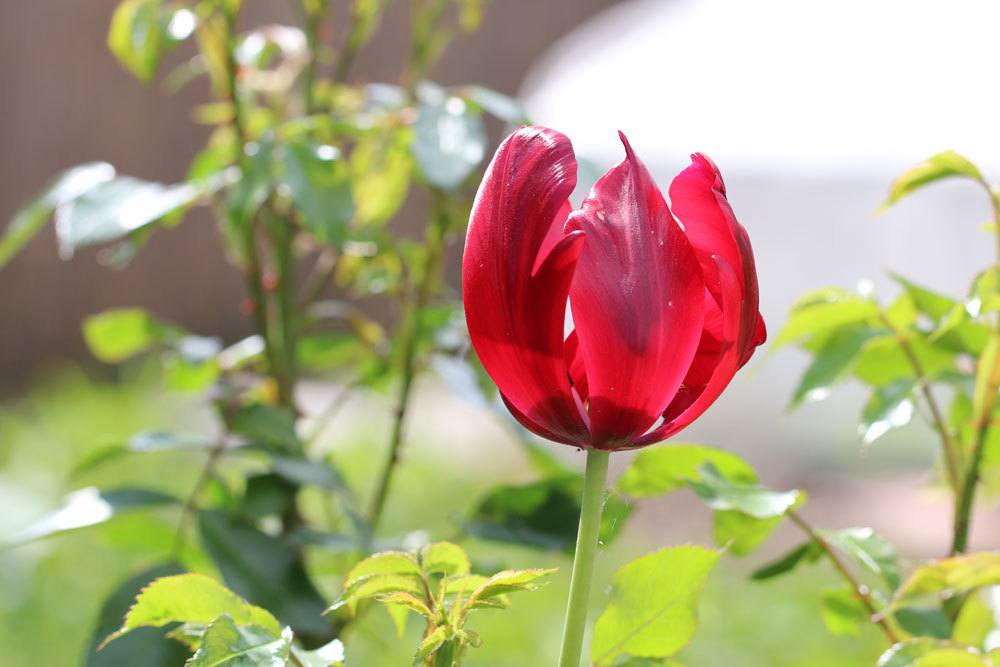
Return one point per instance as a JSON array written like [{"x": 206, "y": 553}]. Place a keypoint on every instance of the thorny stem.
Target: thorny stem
[
  {"x": 583, "y": 559},
  {"x": 409, "y": 335},
  {"x": 862, "y": 591},
  {"x": 948, "y": 444},
  {"x": 983, "y": 421}
]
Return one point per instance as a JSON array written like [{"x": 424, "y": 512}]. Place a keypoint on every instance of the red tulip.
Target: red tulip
[{"x": 663, "y": 299}]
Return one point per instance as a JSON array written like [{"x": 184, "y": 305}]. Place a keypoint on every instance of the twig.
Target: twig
[
  {"x": 191, "y": 504},
  {"x": 410, "y": 335},
  {"x": 948, "y": 443},
  {"x": 859, "y": 589}
]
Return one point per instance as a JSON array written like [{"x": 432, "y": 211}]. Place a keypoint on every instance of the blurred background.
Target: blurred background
[{"x": 810, "y": 110}]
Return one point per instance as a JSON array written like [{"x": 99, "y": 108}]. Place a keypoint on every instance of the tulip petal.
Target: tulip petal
[
  {"x": 691, "y": 403},
  {"x": 516, "y": 274},
  {"x": 637, "y": 300},
  {"x": 698, "y": 200}
]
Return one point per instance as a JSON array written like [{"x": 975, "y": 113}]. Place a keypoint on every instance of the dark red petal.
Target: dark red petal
[
  {"x": 637, "y": 301},
  {"x": 727, "y": 363},
  {"x": 516, "y": 273},
  {"x": 577, "y": 370}
]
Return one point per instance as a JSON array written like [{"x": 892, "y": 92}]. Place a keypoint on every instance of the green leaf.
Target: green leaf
[
  {"x": 264, "y": 569},
  {"x": 889, "y": 407},
  {"x": 145, "y": 646},
  {"x": 267, "y": 495},
  {"x": 843, "y": 612},
  {"x": 976, "y": 620},
  {"x": 741, "y": 534},
  {"x": 407, "y": 601},
  {"x": 922, "y": 622},
  {"x": 265, "y": 425},
  {"x": 431, "y": 643},
  {"x": 927, "y": 652},
  {"x": 870, "y": 549},
  {"x": 88, "y": 507},
  {"x": 818, "y": 317},
  {"x": 385, "y": 563},
  {"x": 69, "y": 185},
  {"x": 831, "y": 363},
  {"x": 444, "y": 558},
  {"x": 670, "y": 467},
  {"x": 191, "y": 598},
  {"x": 449, "y": 139},
  {"x": 307, "y": 472},
  {"x": 652, "y": 612},
  {"x": 504, "y": 107},
  {"x": 116, "y": 335},
  {"x": 951, "y": 576},
  {"x": 543, "y": 514},
  {"x": 720, "y": 493},
  {"x": 142, "y": 443},
  {"x": 932, "y": 304},
  {"x": 328, "y": 655},
  {"x": 948, "y": 164},
  {"x": 380, "y": 175},
  {"x": 227, "y": 645},
  {"x": 510, "y": 581},
  {"x": 882, "y": 360},
  {"x": 114, "y": 209},
  {"x": 143, "y": 31},
  {"x": 320, "y": 186},
  {"x": 984, "y": 369},
  {"x": 807, "y": 552}
]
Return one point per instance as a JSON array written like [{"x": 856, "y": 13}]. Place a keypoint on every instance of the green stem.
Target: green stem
[
  {"x": 446, "y": 655},
  {"x": 583, "y": 561},
  {"x": 409, "y": 334},
  {"x": 284, "y": 237}
]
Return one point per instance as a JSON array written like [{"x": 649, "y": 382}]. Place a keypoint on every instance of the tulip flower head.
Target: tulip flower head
[{"x": 663, "y": 299}]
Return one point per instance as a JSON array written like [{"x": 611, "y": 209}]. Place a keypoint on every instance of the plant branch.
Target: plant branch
[
  {"x": 409, "y": 336},
  {"x": 191, "y": 504},
  {"x": 949, "y": 447},
  {"x": 862, "y": 591}
]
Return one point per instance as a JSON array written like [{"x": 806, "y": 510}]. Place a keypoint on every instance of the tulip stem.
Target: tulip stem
[{"x": 583, "y": 561}]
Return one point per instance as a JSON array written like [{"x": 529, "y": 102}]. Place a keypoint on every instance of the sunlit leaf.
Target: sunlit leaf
[
  {"x": 510, "y": 581},
  {"x": 976, "y": 620},
  {"x": 143, "y": 31},
  {"x": 883, "y": 361},
  {"x": 653, "y": 607},
  {"x": 319, "y": 182},
  {"x": 660, "y": 470},
  {"x": 741, "y": 534},
  {"x": 449, "y": 139},
  {"x": 69, "y": 185},
  {"x": 831, "y": 363},
  {"x": 144, "y": 646},
  {"x": 116, "y": 335},
  {"x": 331, "y": 654},
  {"x": 721, "y": 493},
  {"x": 870, "y": 549},
  {"x": 226, "y": 644},
  {"x": 927, "y": 652},
  {"x": 431, "y": 643},
  {"x": 947, "y": 164},
  {"x": 951, "y": 576},
  {"x": 114, "y": 209},
  {"x": 444, "y": 558},
  {"x": 889, "y": 407},
  {"x": 824, "y": 316},
  {"x": 380, "y": 176},
  {"x": 89, "y": 507},
  {"x": 191, "y": 598},
  {"x": 843, "y": 612}
]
